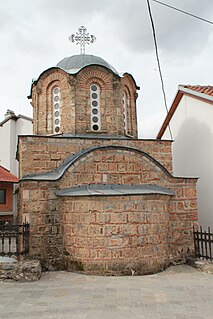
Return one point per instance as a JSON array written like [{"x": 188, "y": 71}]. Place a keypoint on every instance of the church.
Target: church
[{"x": 99, "y": 200}]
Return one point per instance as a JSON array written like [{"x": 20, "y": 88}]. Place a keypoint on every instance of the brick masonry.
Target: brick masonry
[
  {"x": 128, "y": 234},
  {"x": 75, "y": 99},
  {"x": 42, "y": 154},
  {"x": 108, "y": 234}
]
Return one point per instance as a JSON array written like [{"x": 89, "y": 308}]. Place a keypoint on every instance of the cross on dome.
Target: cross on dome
[{"x": 82, "y": 37}]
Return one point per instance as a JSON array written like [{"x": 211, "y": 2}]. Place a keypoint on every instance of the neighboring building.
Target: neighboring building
[
  {"x": 10, "y": 128},
  {"x": 191, "y": 122},
  {"x": 98, "y": 198},
  {"x": 7, "y": 180}
]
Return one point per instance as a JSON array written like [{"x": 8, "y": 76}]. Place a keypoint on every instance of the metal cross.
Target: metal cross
[{"x": 82, "y": 37}]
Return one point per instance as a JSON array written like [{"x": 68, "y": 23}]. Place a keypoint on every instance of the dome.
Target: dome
[{"x": 75, "y": 63}]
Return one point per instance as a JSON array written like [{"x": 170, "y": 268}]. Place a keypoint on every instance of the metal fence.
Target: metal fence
[
  {"x": 203, "y": 241},
  {"x": 14, "y": 239}
]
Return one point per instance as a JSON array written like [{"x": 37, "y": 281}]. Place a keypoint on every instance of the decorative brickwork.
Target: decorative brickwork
[
  {"x": 138, "y": 232},
  {"x": 46, "y": 153},
  {"x": 75, "y": 101},
  {"x": 108, "y": 234}
]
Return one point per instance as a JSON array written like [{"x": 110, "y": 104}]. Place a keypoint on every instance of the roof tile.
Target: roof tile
[
  {"x": 200, "y": 88},
  {"x": 6, "y": 176}
]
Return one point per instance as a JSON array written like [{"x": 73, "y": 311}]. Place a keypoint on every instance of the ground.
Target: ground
[{"x": 179, "y": 292}]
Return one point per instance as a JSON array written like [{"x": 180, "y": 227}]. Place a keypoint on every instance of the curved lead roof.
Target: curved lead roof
[
  {"x": 114, "y": 189},
  {"x": 75, "y": 63},
  {"x": 58, "y": 172}
]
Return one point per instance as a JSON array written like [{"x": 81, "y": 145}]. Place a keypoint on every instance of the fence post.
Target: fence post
[
  {"x": 26, "y": 235},
  {"x": 203, "y": 242},
  {"x": 14, "y": 239}
]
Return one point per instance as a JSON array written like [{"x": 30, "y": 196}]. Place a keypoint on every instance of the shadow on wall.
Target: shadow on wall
[{"x": 193, "y": 157}]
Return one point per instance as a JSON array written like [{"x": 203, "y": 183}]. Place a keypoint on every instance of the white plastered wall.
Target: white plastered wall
[
  {"x": 22, "y": 127},
  {"x": 192, "y": 130},
  {"x": 9, "y": 133},
  {"x": 5, "y": 151}
]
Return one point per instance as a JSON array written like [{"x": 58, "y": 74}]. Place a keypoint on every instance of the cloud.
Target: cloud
[
  {"x": 150, "y": 125},
  {"x": 28, "y": 24},
  {"x": 176, "y": 32},
  {"x": 34, "y": 37},
  {"x": 182, "y": 34}
]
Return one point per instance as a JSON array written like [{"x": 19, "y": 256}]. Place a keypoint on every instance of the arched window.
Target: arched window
[
  {"x": 125, "y": 101},
  {"x": 95, "y": 107},
  {"x": 56, "y": 109}
]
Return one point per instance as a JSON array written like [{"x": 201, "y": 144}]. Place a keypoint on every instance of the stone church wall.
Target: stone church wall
[
  {"x": 42, "y": 154},
  {"x": 133, "y": 216},
  {"x": 116, "y": 234},
  {"x": 106, "y": 234},
  {"x": 75, "y": 101}
]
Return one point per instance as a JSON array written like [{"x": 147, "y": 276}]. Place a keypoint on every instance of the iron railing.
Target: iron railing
[
  {"x": 203, "y": 241},
  {"x": 14, "y": 239}
]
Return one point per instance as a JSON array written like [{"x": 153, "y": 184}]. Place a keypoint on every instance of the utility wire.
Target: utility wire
[
  {"x": 158, "y": 61},
  {"x": 182, "y": 11}
]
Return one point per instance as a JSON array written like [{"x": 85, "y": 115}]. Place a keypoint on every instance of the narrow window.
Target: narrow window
[
  {"x": 95, "y": 107},
  {"x": 2, "y": 196},
  {"x": 125, "y": 111},
  {"x": 56, "y": 109}
]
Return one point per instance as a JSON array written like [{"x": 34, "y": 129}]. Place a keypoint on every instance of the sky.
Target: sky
[{"x": 34, "y": 36}]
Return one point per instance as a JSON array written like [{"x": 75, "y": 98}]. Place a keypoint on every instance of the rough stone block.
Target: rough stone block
[{"x": 20, "y": 271}]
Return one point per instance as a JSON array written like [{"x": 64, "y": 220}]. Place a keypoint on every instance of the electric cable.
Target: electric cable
[
  {"x": 158, "y": 61},
  {"x": 182, "y": 11}
]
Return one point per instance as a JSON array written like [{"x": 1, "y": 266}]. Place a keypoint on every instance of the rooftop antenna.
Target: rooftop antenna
[{"x": 82, "y": 37}]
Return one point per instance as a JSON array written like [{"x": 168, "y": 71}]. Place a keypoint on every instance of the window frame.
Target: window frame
[
  {"x": 54, "y": 110},
  {"x": 4, "y": 196},
  {"x": 97, "y": 108},
  {"x": 125, "y": 105}
]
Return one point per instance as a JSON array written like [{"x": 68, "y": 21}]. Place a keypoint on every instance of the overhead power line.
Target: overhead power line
[
  {"x": 182, "y": 11},
  {"x": 158, "y": 61}
]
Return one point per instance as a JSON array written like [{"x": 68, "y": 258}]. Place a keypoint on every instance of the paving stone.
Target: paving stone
[{"x": 180, "y": 292}]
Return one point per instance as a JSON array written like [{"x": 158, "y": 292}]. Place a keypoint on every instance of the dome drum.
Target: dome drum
[{"x": 80, "y": 112}]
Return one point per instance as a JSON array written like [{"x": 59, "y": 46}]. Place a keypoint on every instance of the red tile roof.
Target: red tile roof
[
  {"x": 200, "y": 88},
  {"x": 6, "y": 176}
]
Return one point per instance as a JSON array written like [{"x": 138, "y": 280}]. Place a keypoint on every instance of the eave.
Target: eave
[{"x": 187, "y": 92}]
